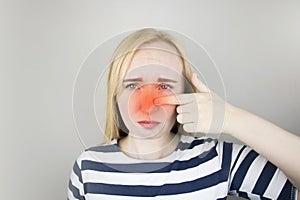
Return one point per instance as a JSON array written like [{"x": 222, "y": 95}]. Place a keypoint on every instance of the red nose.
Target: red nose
[{"x": 143, "y": 98}]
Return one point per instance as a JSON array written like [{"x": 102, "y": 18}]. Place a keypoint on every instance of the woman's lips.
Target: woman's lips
[{"x": 148, "y": 124}]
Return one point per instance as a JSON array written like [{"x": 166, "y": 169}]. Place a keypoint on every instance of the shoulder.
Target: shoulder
[
  {"x": 208, "y": 147},
  {"x": 98, "y": 153},
  {"x": 230, "y": 150},
  {"x": 191, "y": 142},
  {"x": 104, "y": 148}
]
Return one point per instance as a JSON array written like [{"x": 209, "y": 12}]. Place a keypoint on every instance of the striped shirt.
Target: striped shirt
[{"x": 199, "y": 168}]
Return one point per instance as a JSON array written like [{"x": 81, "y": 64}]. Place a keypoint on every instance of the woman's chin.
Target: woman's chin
[{"x": 148, "y": 131}]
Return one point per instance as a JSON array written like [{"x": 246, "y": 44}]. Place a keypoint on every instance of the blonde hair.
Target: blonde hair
[{"x": 120, "y": 63}]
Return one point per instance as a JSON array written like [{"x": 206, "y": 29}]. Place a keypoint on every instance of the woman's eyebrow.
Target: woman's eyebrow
[
  {"x": 133, "y": 80},
  {"x": 166, "y": 80},
  {"x": 140, "y": 80}
]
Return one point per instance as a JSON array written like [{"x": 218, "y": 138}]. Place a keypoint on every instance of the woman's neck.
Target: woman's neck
[{"x": 150, "y": 148}]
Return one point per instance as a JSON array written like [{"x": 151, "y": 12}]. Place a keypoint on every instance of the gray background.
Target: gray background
[{"x": 254, "y": 43}]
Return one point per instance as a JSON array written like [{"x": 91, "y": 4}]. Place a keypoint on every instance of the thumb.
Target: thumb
[{"x": 201, "y": 87}]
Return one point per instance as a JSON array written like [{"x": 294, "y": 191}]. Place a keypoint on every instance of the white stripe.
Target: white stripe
[
  {"x": 253, "y": 173},
  {"x": 238, "y": 163},
  {"x": 235, "y": 150},
  {"x": 276, "y": 184},
  {"x": 75, "y": 181},
  {"x": 121, "y": 158}
]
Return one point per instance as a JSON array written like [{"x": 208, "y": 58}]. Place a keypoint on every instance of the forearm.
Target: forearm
[{"x": 277, "y": 145}]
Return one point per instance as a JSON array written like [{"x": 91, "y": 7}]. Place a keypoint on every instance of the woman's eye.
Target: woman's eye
[
  {"x": 131, "y": 86},
  {"x": 165, "y": 87}
]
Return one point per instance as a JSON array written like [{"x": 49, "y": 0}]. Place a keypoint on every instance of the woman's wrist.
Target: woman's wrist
[{"x": 233, "y": 116}]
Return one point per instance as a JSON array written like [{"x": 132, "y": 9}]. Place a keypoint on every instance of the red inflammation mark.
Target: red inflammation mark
[{"x": 142, "y": 99}]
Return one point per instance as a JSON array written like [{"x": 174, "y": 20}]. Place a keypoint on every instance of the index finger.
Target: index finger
[
  {"x": 174, "y": 99},
  {"x": 170, "y": 99}
]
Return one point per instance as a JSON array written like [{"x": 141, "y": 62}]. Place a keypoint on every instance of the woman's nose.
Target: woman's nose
[{"x": 145, "y": 98}]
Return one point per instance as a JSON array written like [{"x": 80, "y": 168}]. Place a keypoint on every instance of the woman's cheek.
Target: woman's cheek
[
  {"x": 170, "y": 110},
  {"x": 132, "y": 107}
]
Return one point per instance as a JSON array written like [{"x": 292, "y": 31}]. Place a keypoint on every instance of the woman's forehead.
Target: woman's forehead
[
  {"x": 153, "y": 73},
  {"x": 157, "y": 53}
]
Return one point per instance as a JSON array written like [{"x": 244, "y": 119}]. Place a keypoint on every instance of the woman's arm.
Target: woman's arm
[
  {"x": 279, "y": 146},
  {"x": 195, "y": 112}
]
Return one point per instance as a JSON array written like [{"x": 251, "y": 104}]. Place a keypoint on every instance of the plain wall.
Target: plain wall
[{"x": 43, "y": 43}]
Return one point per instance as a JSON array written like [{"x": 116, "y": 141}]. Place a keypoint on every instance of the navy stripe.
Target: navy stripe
[
  {"x": 183, "y": 145},
  {"x": 75, "y": 191},
  {"x": 243, "y": 195},
  {"x": 265, "y": 198},
  {"x": 286, "y": 192},
  {"x": 166, "y": 189},
  {"x": 196, "y": 142},
  {"x": 226, "y": 159},
  {"x": 242, "y": 170},
  {"x": 264, "y": 179},
  {"x": 148, "y": 167},
  {"x": 293, "y": 193},
  {"x": 106, "y": 148},
  {"x": 76, "y": 170}
]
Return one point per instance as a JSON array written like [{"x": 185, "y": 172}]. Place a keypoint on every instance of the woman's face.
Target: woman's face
[{"x": 154, "y": 72}]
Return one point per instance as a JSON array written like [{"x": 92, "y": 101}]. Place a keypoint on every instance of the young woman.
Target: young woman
[{"x": 149, "y": 154}]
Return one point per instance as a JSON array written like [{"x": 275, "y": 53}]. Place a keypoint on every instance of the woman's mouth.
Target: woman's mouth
[{"x": 148, "y": 124}]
